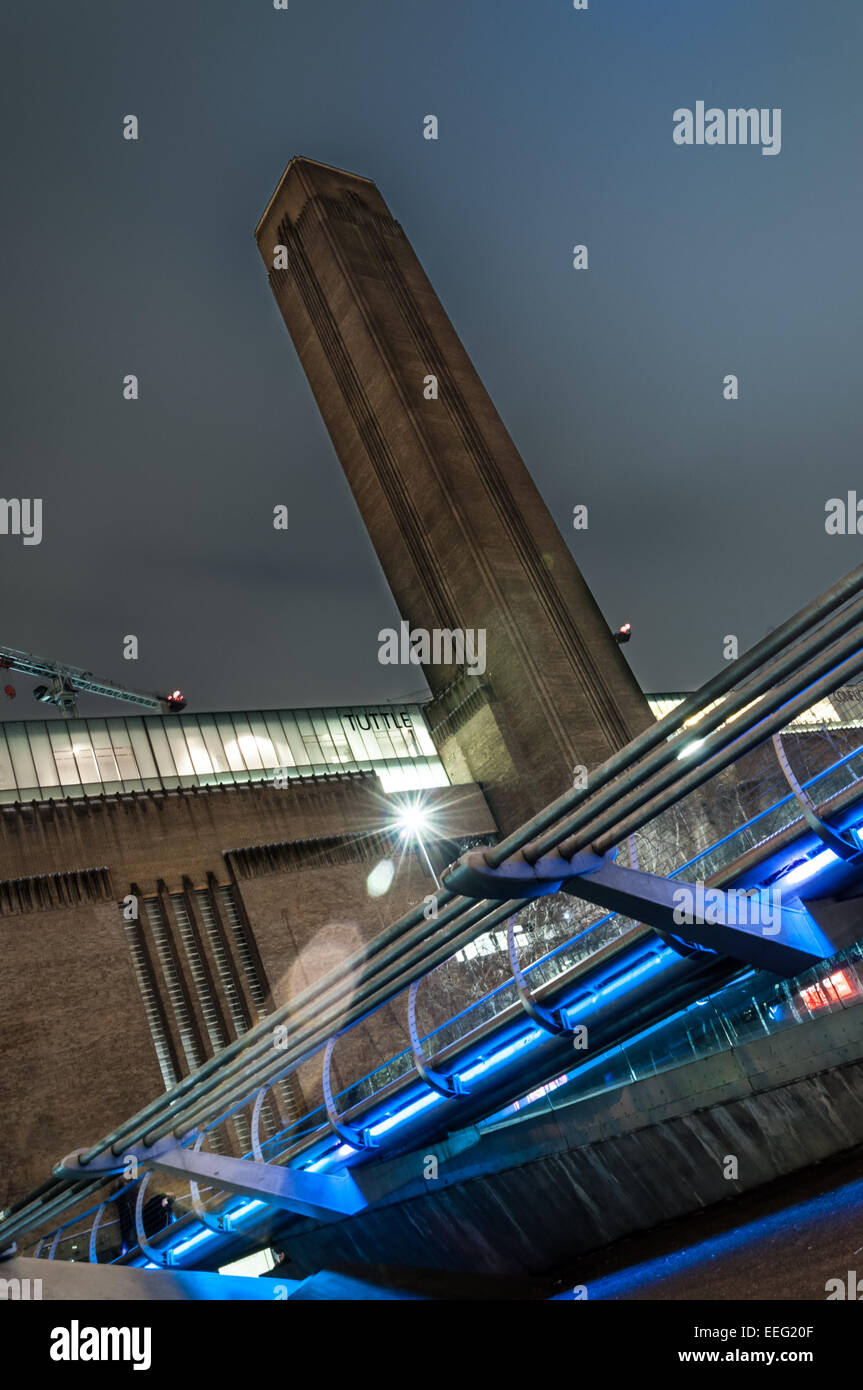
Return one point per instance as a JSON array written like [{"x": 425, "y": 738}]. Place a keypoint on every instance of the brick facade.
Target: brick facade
[{"x": 245, "y": 895}]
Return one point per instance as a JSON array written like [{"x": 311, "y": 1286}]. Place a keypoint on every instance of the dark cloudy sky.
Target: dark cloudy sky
[{"x": 707, "y": 517}]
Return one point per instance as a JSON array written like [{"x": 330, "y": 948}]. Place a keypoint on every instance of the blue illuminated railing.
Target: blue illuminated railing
[
  {"x": 587, "y": 931},
  {"x": 748, "y": 1008},
  {"x": 846, "y": 772}
]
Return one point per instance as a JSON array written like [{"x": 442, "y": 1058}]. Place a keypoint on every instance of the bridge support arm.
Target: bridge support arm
[
  {"x": 320, "y": 1195},
  {"x": 756, "y": 926},
  {"x": 292, "y": 1189}
]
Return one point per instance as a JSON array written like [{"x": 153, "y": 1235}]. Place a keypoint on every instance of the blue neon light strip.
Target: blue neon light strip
[
  {"x": 487, "y": 1064},
  {"x": 237, "y": 1213},
  {"x": 799, "y": 873},
  {"x": 429, "y": 1098},
  {"x": 566, "y": 945},
  {"x": 808, "y": 869},
  {"x": 192, "y": 1240}
]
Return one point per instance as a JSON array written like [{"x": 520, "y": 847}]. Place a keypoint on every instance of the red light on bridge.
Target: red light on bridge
[
  {"x": 827, "y": 991},
  {"x": 623, "y": 634},
  {"x": 176, "y": 701}
]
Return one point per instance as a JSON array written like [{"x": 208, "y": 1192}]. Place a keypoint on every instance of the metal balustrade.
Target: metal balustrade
[
  {"x": 749, "y": 1007},
  {"x": 650, "y": 800}
]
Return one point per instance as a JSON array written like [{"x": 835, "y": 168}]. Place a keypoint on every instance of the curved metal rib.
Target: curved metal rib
[
  {"x": 93, "y": 1257},
  {"x": 447, "y": 1086},
  {"x": 206, "y": 1218},
  {"x": 845, "y": 849},
  {"x": 256, "y": 1124},
  {"x": 160, "y": 1258},
  {"x": 550, "y": 1021},
  {"x": 358, "y": 1139}
]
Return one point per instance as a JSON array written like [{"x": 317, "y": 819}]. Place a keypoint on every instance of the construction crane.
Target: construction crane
[{"x": 66, "y": 681}]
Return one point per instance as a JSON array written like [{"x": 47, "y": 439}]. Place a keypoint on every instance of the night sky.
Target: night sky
[{"x": 706, "y": 516}]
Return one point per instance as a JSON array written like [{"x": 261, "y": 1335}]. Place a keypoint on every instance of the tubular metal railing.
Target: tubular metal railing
[{"x": 809, "y": 656}]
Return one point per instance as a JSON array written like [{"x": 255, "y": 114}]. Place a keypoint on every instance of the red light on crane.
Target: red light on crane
[{"x": 65, "y": 683}]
